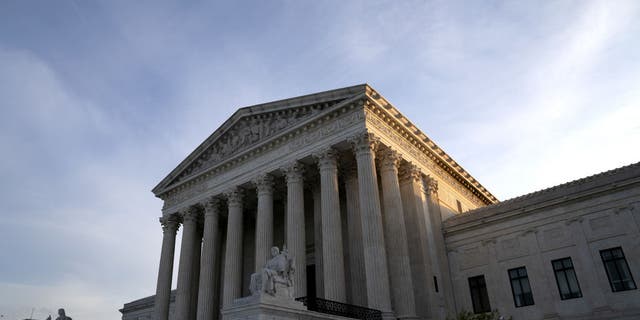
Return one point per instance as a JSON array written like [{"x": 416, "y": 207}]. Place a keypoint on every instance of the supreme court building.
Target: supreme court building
[{"x": 375, "y": 214}]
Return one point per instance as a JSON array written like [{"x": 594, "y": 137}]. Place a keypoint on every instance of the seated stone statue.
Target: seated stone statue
[{"x": 276, "y": 278}]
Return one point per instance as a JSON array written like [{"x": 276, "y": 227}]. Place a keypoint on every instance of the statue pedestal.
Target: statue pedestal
[{"x": 267, "y": 307}]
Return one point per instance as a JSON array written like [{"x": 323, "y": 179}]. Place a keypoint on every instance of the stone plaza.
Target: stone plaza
[{"x": 376, "y": 217}]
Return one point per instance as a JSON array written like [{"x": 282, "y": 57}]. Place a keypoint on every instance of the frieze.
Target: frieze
[
  {"x": 320, "y": 133},
  {"x": 420, "y": 155}
]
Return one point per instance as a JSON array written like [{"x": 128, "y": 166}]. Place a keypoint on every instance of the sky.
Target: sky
[{"x": 100, "y": 100}]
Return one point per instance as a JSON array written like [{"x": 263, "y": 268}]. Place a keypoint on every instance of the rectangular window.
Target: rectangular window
[
  {"x": 520, "y": 287},
  {"x": 566, "y": 279},
  {"x": 618, "y": 272},
  {"x": 459, "y": 206},
  {"x": 435, "y": 283},
  {"x": 479, "y": 295}
]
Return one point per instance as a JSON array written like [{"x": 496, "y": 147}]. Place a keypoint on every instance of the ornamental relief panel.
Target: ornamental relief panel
[
  {"x": 248, "y": 132},
  {"x": 319, "y": 133},
  {"x": 409, "y": 148}
]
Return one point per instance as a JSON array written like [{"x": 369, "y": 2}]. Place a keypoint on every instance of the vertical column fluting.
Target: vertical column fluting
[
  {"x": 396, "y": 237},
  {"x": 233, "y": 252},
  {"x": 264, "y": 220},
  {"x": 295, "y": 225},
  {"x": 375, "y": 257},
  {"x": 208, "y": 296},
  {"x": 317, "y": 239},
  {"x": 434, "y": 213},
  {"x": 417, "y": 235},
  {"x": 195, "y": 274},
  {"x": 185, "y": 268},
  {"x": 170, "y": 225},
  {"x": 354, "y": 227},
  {"x": 332, "y": 254}
]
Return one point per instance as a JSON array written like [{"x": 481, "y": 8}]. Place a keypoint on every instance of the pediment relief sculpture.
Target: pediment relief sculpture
[{"x": 248, "y": 131}]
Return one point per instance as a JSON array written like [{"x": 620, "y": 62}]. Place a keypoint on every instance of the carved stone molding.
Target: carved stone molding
[
  {"x": 190, "y": 214},
  {"x": 264, "y": 183},
  {"x": 422, "y": 154},
  {"x": 364, "y": 142},
  {"x": 212, "y": 206},
  {"x": 431, "y": 185},
  {"x": 409, "y": 172},
  {"x": 314, "y": 129},
  {"x": 532, "y": 230},
  {"x": 314, "y": 133},
  {"x": 487, "y": 242},
  {"x": 574, "y": 219},
  {"x": 249, "y": 131},
  {"x": 294, "y": 172},
  {"x": 327, "y": 159},
  {"x": 234, "y": 197},
  {"x": 170, "y": 223},
  {"x": 389, "y": 159}
]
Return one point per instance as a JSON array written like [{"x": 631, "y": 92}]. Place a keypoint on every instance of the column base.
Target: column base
[
  {"x": 267, "y": 307},
  {"x": 388, "y": 315}
]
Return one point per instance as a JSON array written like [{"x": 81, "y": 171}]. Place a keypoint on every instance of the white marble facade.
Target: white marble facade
[{"x": 355, "y": 192}]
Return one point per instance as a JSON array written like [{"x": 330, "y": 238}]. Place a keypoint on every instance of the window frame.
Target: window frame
[
  {"x": 481, "y": 288},
  {"x": 564, "y": 270},
  {"x": 614, "y": 260},
  {"x": 519, "y": 279}
]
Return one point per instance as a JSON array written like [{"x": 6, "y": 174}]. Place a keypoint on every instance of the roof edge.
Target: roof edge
[{"x": 537, "y": 197}]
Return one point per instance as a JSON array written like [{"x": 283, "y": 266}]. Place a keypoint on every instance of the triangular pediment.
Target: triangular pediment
[{"x": 249, "y": 127}]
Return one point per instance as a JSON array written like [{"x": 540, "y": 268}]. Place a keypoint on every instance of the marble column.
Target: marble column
[
  {"x": 264, "y": 220},
  {"x": 170, "y": 225},
  {"x": 195, "y": 274},
  {"x": 375, "y": 256},
  {"x": 295, "y": 226},
  {"x": 317, "y": 239},
  {"x": 354, "y": 227},
  {"x": 417, "y": 235},
  {"x": 185, "y": 268},
  {"x": 332, "y": 254},
  {"x": 208, "y": 295},
  {"x": 434, "y": 213},
  {"x": 233, "y": 252},
  {"x": 396, "y": 237}
]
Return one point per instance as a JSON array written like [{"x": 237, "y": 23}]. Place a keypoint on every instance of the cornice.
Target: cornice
[
  {"x": 385, "y": 112},
  {"x": 602, "y": 183}
]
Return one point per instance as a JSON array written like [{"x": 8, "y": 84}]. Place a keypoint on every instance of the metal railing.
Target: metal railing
[{"x": 340, "y": 309}]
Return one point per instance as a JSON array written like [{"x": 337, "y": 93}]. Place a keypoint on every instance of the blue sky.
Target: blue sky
[{"x": 100, "y": 100}]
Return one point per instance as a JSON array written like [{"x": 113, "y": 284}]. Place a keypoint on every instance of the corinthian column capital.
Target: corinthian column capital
[
  {"x": 364, "y": 142},
  {"x": 327, "y": 158},
  {"x": 170, "y": 223},
  {"x": 410, "y": 172},
  {"x": 211, "y": 206},
  {"x": 264, "y": 183},
  {"x": 293, "y": 171},
  {"x": 190, "y": 214},
  {"x": 390, "y": 159},
  {"x": 234, "y": 197},
  {"x": 431, "y": 185}
]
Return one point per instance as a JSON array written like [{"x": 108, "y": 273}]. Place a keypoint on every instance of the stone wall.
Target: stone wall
[{"x": 576, "y": 220}]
